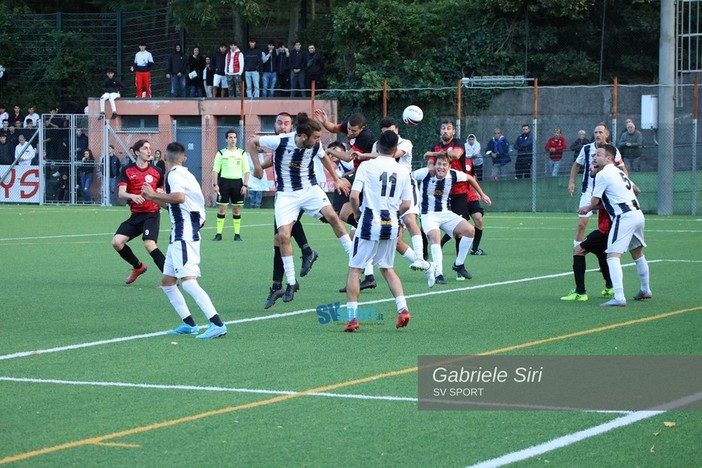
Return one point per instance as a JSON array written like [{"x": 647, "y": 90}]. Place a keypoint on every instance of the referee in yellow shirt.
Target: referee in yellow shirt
[{"x": 230, "y": 178}]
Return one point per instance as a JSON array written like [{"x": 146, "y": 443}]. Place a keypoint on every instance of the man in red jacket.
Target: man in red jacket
[{"x": 555, "y": 147}]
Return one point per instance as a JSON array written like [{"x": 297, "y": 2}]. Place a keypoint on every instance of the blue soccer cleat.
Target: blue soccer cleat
[
  {"x": 213, "y": 331},
  {"x": 185, "y": 329}
]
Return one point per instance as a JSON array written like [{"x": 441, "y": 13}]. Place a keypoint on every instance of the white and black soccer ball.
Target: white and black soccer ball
[{"x": 412, "y": 115}]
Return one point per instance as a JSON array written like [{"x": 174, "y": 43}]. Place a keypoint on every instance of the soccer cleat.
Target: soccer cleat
[
  {"x": 461, "y": 272},
  {"x": 368, "y": 283},
  {"x": 431, "y": 279},
  {"x": 352, "y": 326},
  {"x": 307, "y": 261},
  {"x": 614, "y": 303},
  {"x": 607, "y": 292},
  {"x": 237, "y": 237},
  {"x": 440, "y": 280},
  {"x": 403, "y": 319},
  {"x": 640, "y": 296},
  {"x": 217, "y": 237},
  {"x": 101, "y": 116},
  {"x": 273, "y": 296},
  {"x": 290, "y": 291},
  {"x": 478, "y": 252},
  {"x": 136, "y": 272},
  {"x": 213, "y": 331},
  {"x": 185, "y": 329},
  {"x": 419, "y": 264},
  {"x": 114, "y": 116},
  {"x": 460, "y": 278},
  {"x": 574, "y": 296}
]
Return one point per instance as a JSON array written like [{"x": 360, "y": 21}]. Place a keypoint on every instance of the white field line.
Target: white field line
[
  {"x": 90, "y": 344},
  {"x": 570, "y": 439},
  {"x": 200, "y": 388}
]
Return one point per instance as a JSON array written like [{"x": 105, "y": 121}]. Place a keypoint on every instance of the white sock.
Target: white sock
[
  {"x": 203, "y": 300},
  {"x": 615, "y": 271},
  {"x": 177, "y": 300},
  {"x": 401, "y": 303},
  {"x": 289, "y": 268},
  {"x": 437, "y": 256},
  {"x": 351, "y": 309},
  {"x": 368, "y": 270},
  {"x": 409, "y": 255},
  {"x": 347, "y": 244},
  {"x": 418, "y": 246},
  {"x": 576, "y": 243},
  {"x": 463, "y": 248},
  {"x": 642, "y": 270}
]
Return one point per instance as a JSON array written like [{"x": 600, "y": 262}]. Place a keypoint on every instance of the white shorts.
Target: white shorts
[
  {"x": 627, "y": 232},
  {"x": 586, "y": 199},
  {"x": 444, "y": 220},
  {"x": 289, "y": 204},
  {"x": 182, "y": 259},
  {"x": 220, "y": 81},
  {"x": 414, "y": 209},
  {"x": 380, "y": 252}
]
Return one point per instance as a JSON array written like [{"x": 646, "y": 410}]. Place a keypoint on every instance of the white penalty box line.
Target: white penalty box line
[{"x": 23, "y": 354}]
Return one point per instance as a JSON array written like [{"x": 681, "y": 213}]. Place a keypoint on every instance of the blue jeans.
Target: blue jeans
[
  {"x": 269, "y": 80},
  {"x": 253, "y": 84},
  {"x": 86, "y": 180},
  {"x": 177, "y": 82},
  {"x": 297, "y": 82},
  {"x": 255, "y": 198},
  {"x": 196, "y": 91}
]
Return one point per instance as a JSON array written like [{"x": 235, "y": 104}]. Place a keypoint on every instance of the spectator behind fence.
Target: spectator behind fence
[
  {"x": 629, "y": 145},
  {"x": 269, "y": 72},
  {"x": 86, "y": 170},
  {"x": 24, "y": 151},
  {"x": 31, "y": 117},
  {"x": 16, "y": 114},
  {"x": 143, "y": 62},
  {"x": 315, "y": 66},
  {"x": 196, "y": 66},
  {"x": 555, "y": 147},
  {"x": 5, "y": 155},
  {"x": 252, "y": 69},
  {"x": 578, "y": 144},
  {"x": 208, "y": 74},
  {"x": 473, "y": 152},
  {"x": 176, "y": 69},
  {"x": 524, "y": 145},
  {"x": 297, "y": 70},
  {"x": 81, "y": 142},
  {"x": 498, "y": 149},
  {"x": 3, "y": 113},
  {"x": 55, "y": 129},
  {"x": 282, "y": 68},
  {"x": 115, "y": 166},
  {"x": 219, "y": 83},
  {"x": 234, "y": 68},
  {"x": 113, "y": 90}
]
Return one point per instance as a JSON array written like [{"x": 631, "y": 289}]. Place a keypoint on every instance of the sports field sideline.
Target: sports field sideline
[{"x": 89, "y": 376}]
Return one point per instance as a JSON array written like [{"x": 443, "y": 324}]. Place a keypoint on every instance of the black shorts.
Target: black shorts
[
  {"x": 595, "y": 242},
  {"x": 339, "y": 199},
  {"x": 459, "y": 205},
  {"x": 230, "y": 191},
  {"x": 474, "y": 207},
  {"x": 147, "y": 224}
]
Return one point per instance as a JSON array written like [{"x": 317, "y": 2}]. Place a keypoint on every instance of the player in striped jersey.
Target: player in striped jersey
[
  {"x": 387, "y": 194},
  {"x": 616, "y": 193},
  {"x": 584, "y": 160},
  {"x": 437, "y": 215},
  {"x": 186, "y": 206},
  {"x": 297, "y": 187}
]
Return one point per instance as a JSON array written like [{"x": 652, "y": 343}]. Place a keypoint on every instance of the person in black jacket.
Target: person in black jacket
[
  {"x": 176, "y": 71},
  {"x": 196, "y": 65},
  {"x": 297, "y": 70},
  {"x": 282, "y": 67},
  {"x": 314, "y": 67},
  {"x": 113, "y": 90},
  {"x": 253, "y": 59}
]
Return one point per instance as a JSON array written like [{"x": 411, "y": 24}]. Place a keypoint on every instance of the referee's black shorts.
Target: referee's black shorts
[{"x": 230, "y": 191}]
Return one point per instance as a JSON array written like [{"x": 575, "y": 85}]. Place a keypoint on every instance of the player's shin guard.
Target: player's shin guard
[
  {"x": 177, "y": 300},
  {"x": 615, "y": 270},
  {"x": 128, "y": 255},
  {"x": 203, "y": 300},
  {"x": 159, "y": 258}
]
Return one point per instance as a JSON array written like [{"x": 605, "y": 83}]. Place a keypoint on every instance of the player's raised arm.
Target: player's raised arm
[{"x": 253, "y": 147}]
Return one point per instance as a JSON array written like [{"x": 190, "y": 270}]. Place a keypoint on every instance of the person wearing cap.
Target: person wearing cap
[{"x": 143, "y": 62}]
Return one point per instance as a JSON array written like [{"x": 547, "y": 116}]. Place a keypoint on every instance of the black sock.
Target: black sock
[
  {"x": 159, "y": 258},
  {"x": 458, "y": 242},
  {"x": 216, "y": 320},
  {"x": 129, "y": 257},
  {"x": 277, "y": 285},
  {"x": 425, "y": 244},
  {"x": 278, "y": 269},
  {"x": 445, "y": 239},
  {"x": 298, "y": 233},
  {"x": 579, "y": 273},
  {"x": 189, "y": 320},
  {"x": 604, "y": 268},
  {"x": 476, "y": 239}
]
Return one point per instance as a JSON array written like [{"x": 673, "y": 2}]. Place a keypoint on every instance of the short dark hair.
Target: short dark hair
[
  {"x": 387, "y": 122},
  {"x": 226, "y": 135},
  {"x": 387, "y": 141},
  {"x": 174, "y": 151},
  {"x": 336, "y": 144},
  {"x": 609, "y": 149},
  {"x": 357, "y": 120}
]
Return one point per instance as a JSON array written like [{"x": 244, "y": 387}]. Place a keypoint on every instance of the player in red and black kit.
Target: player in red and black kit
[
  {"x": 455, "y": 149},
  {"x": 146, "y": 216},
  {"x": 360, "y": 140}
]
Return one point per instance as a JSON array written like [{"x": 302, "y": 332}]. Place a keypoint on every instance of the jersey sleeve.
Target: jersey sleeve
[
  {"x": 269, "y": 141},
  {"x": 407, "y": 190},
  {"x": 360, "y": 178},
  {"x": 176, "y": 182},
  {"x": 600, "y": 184},
  {"x": 217, "y": 165},
  {"x": 245, "y": 166},
  {"x": 421, "y": 174},
  {"x": 460, "y": 175},
  {"x": 581, "y": 156},
  {"x": 161, "y": 178}
]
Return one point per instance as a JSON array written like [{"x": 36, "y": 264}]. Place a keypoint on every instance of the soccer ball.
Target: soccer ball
[{"x": 412, "y": 115}]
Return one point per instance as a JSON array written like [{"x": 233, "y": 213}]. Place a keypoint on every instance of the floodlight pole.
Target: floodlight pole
[
  {"x": 666, "y": 111},
  {"x": 534, "y": 133},
  {"x": 458, "y": 108},
  {"x": 695, "y": 115}
]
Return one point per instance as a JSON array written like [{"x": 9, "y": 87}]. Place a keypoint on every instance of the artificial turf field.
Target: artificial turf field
[{"x": 89, "y": 377}]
